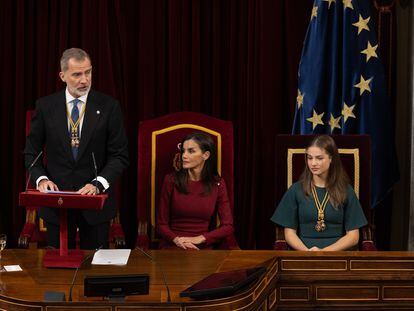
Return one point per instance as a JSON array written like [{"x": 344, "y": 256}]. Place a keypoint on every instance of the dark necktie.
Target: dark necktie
[{"x": 75, "y": 116}]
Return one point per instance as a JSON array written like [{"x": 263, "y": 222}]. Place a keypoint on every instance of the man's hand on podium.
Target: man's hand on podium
[
  {"x": 46, "y": 184},
  {"x": 89, "y": 189}
]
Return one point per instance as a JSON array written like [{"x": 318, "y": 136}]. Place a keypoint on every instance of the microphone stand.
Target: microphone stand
[
  {"x": 96, "y": 172},
  {"x": 159, "y": 267},
  {"x": 77, "y": 269},
  {"x": 30, "y": 170}
]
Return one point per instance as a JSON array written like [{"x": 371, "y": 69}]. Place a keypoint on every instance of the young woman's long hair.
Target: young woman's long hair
[
  {"x": 337, "y": 180},
  {"x": 209, "y": 174}
]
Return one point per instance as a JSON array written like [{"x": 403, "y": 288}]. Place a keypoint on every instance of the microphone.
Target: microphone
[
  {"x": 96, "y": 172},
  {"x": 77, "y": 269},
  {"x": 162, "y": 272},
  {"x": 30, "y": 170}
]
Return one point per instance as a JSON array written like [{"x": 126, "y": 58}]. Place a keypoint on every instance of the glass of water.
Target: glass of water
[{"x": 3, "y": 241}]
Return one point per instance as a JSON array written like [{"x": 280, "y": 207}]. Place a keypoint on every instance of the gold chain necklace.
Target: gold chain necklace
[
  {"x": 320, "y": 224},
  {"x": 74, "y": 134}
]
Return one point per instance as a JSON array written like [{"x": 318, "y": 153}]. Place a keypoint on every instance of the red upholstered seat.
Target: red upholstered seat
[
  {"x": 34, "y": 232},
  {"x": 355, "y": 152},
  {"x": 157, "y": 150}
]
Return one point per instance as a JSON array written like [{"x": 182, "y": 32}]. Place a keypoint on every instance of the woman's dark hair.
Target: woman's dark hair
[
  {"x": 337, "y": 180},
  {"x": 209, "y": 174}
]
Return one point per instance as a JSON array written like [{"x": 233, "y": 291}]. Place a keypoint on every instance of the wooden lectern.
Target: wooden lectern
[{"x": 62, "y": 258}]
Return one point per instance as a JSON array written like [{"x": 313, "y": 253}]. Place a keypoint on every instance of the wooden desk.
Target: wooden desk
[{"x": 294, "y": 281}]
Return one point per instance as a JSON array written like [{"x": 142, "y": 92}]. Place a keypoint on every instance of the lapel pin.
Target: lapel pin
[{"x": 98, "y": 112}]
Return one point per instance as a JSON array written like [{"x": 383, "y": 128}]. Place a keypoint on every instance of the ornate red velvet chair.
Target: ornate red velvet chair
[
  {"x": 34, "y": 232},
  {"x": 355, "y": 152},
  {"x": 157, "y": 149}
]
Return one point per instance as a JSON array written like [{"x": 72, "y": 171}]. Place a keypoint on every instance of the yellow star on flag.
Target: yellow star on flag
[
  {"x": 347, "y": 112},
  {"x": 314, "y": 12},
  {"x": 299, "y": 99},
  {"x": 363, "y": 85},
  {"x": 334, "y": 122},
  {"x": 362, "y": 23},
  {"x": 330, "y": 2},
  {"x": 316, "y": 119},
  {"x": 370, "y": 51},
  {"x": 348, "y": 4}
]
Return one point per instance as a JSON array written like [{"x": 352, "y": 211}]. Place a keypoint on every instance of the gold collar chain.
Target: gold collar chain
[
  {"x": 74, "y": 125},
  {"x": 320, "y": 224}
]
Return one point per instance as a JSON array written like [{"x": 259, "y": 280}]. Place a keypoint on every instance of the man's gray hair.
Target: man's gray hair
[{"x": 76, "y": 53}]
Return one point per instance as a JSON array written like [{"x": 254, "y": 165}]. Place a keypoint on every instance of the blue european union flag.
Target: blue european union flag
[{"x": 342, "y": 85}]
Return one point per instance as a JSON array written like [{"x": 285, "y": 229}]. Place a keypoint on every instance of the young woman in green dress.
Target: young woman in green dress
[{"x": 321, "y": 210}]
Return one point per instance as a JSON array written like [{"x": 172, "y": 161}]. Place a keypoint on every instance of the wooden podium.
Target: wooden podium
[
  {"x": 294, "y": 281},
  {"x": 62, "y": 258}
]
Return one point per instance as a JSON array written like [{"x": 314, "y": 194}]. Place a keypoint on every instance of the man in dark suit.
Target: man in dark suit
[{"x": 73, "y": 126}]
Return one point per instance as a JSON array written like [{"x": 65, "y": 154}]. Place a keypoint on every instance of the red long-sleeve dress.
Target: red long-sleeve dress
[{"x": 188, "y": 215}]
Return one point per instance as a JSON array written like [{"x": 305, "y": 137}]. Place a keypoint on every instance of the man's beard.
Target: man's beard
[{"x": 79, "y": 93}]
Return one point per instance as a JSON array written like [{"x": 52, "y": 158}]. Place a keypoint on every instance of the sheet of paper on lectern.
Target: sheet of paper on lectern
[
  {"x": 12, "y": 268},
  {"x": 61, "y": 192},
  {"x": 117, "y": 257}
]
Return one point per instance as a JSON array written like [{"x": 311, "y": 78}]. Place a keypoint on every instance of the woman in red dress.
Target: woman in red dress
[{"x": 192, "y": 196}]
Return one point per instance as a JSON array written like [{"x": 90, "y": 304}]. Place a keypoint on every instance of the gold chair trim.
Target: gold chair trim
[
  {"x": 154, "y": 157},
  {"x": 353, "y": 151},
  {"x": 42, "y": 226}
]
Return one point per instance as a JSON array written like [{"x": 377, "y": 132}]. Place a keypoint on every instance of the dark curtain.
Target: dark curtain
[{"x": 231, "y": 59}]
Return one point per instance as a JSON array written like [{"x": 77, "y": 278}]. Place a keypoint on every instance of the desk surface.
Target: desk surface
[{"x": 294, "y": 280}]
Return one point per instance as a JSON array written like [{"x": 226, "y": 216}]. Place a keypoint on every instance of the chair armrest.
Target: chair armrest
[
  {"x": 367, "y": 243},
  {"x": 280, "y": 245},
  {"x": 143, "y": 240},
  {"x": 28, "y": 228},
  {"x": 280, "y": 242},
  {"x": 229, "y": 242},
  {"x": 368, "y": 246},
  {"x": 26, "y": 235},
  {"x": 117, "y": 236}
]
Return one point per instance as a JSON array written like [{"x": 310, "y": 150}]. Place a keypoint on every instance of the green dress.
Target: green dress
[{"x": 299, "y": 212}]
